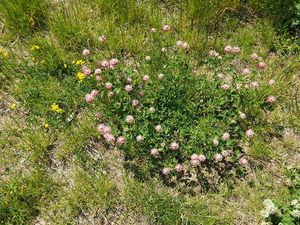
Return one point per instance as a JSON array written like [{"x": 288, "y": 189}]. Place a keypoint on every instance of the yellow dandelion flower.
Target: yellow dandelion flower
[
  {"x": 80, "y": 76},
  {"x": 79, "y": 62},
  {"x": 56, "y": 108},
  {"x": 12, "y": 106},
  {"x": 46, "y": 125},
  {"x": 34, "y": 47},
  {"x": 65, "y": 65}
]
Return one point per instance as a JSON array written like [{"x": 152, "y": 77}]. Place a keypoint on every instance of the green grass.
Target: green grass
[{"x": 56, "y": 169}]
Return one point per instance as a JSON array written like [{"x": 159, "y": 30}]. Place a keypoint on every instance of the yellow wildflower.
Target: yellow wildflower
[
  {"x": 79, "y": 62},
  {"x": 65, "y": 65},
  {"x": 46, "y": 125},
  {"x": 32, "y": 58},
  {"x": 34, "y": 47},
  {"x": 80, "y": 76},
  {"x": 12, "y": 106},
  {"x": 5, "y": 54},
  {"x": 56, "y": 108}
]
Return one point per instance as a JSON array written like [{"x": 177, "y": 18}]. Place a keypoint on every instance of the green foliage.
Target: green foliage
[
  {"x": 22, "y": 196},
  {"x": 24, "y": 17}
]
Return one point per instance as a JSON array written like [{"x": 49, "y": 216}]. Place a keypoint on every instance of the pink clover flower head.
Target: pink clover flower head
[
  {"x": 128, "y": 88},
  {"x": 135, "y": 103},
  {"x": 201, "y": 158},
  {"x": 104, "y": 64},
  {"x": 213, "y": 53},
  {"x": 165, "y": 171},
  {"x": 215, "y": 141},
  {"x": 114, "y": 62},
  {"x": 86, "y": 71},
  {"x": 271, "y": 82},
  {"x": 174, "y": 146},
  {"x": 109, "y": 137},
  {"x": 249, "y": 133},
  {"x": 108, "y": 86},
  {"x": 129, "y": 119},
  {"x": 254, "y": 84},
  {"x": 261, "y": 65},
  {"x": 121, "y": 140},
  {"x": 166, "y": 28},
  {"x": 89, "y": 98},
  {"x": 154, "y": 152},
  {"x": 95, "y": 93},
  {"x": 225, "y": 153},
  {"x": 194, "y": 157},
  {"x": 195, "y": 162},
  {"x": 243, "y": 162},
  {"x": 98, "y": 71},
  {"x": 85, "y": 52},
  {"x": 228, "y": 49},
  {"x": 139, "y": 138},
  {"x": 146, "y": 78},
  {"x": 246, "y": 71},
  {"x": 270, "y": 99},
  {"x": 225, "y": 87},
  {"x": 254, "y": 56},
  {"x": 236, "y": 50},
  {"x": 179, "y": 168},
  {"x": 225, "y": 136},
  {"x": 218, "y": 157},
  {"x": 158, "y": 128}
]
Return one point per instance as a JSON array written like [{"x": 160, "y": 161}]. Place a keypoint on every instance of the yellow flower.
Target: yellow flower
[
  {"x": 34, "y": 47},
  {"x": 79, "y": 62},
  {"x": 46, "y": 125},
  {"x": 32, "y": 58},
  {"x": 65, "y": 65},
  {"x": 12, "y": 106},
  {"x": 56, "y": 108},
  {"x": 80, "y": 76},
  {"x": 5, "y": 54}
]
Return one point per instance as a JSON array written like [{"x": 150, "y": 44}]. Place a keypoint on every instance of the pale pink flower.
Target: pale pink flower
[
  {"x": 129, "y": 119},
  {"x": 236, "y": 50},
  {"x": 270, "y": 99},
  {"x": 100, "y": 128},
  {"x": 185, "y": 45},
  {"x": 195, "y": 162},
  {"x": 102, "y": 38},
  {"x": 158, "y": 128},
  {"x": 153, "y": 30},
  {"x": 254, "y": 56},
  {"x": 163, "y": 49},
  {"x": 249, "y": 133},
  {"x": 174, "y": 146},
  {"x": 148, "y": 58},
  {"x": 218, "y": 157},
  {"x": 216, "y": 142},
  {"x": 128, "y": 80},
  {"x": 121, "y": 140},
  {"x": 98, "y": 78},
  {"x": 261, "y": 65},
  {"x": 201, "y": 158},
  {"x": 128, "y": 88},
  {"x": 104, "y": 64},
  {"x": 98, "y": 71},
  {"x": 179, "y": 168},
  {"x": 179, "y": 43},
  {"x": 166, "y": 28},
  {"x": 154, "y": 152},
  {"x": 109, "y": 137},
  {"x": 254, "y": 84},
  {"x": 113, "y": 62},
  {"x": 89, "y": 98},
  {"x": 86, "y": 71},
  {"x": 146, "y": 78},
  {"x": 141, "y": 93},
  {"x": 225, "y": 87},
  {"x": 111, "y": 67},
  {"x": 95, "y": 93},
  {"x": 225, "y": 153},
  {"x": 85, "y": 52},
  {"x": 242, "y": 115},
  {"x": 152, "y": 109},
  {"x": 194, "y": 157},
  {"x": 165, "y": 171},
  {"x": 108, "y": 86},
  {"x": 246, "y": 71},
  {"x": 271, "y": 82},
  {"x": 243, "y": 162},
  {"x": 139, "y": 138},
  {"x": 228, "y": 49},
  {"x": 135, "y": 103},
  {"x": 226, "y": 136},
  {"x": 106, "y": 129},
  {"x": 213, "y": 53},
  {"x": 160, "y": 76}
]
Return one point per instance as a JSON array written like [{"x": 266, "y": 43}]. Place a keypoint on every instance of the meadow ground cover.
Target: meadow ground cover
[{"x": 151, "y": 112}]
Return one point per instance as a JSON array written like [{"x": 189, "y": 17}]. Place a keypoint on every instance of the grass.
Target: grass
[{"x": 56, "y": 169}]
